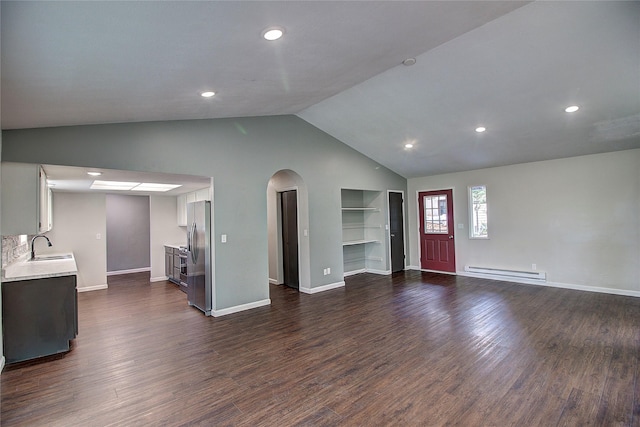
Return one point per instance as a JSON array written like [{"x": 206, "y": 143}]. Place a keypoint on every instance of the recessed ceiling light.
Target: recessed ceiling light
[
  {"x": 572, "y": 109},
  {"x": 113, "y": 185},
  {"x": 94, "y": 173},
  {"x": 273, "y": 33},
  {"x": 480, "y": 129},
  {"x": 151, "y": 186},
  {"x": 207, "y": 94},
  {"x": 131, "y": 186},
  {"x": 408, "y": 145},
  {"x": 409, "y": 62}
]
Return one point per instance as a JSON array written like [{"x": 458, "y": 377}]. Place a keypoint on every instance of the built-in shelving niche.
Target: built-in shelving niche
[{"x": 362, "y": 231}]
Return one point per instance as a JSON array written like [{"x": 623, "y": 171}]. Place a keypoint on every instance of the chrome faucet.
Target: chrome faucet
[{"x": 33, "y": 252}]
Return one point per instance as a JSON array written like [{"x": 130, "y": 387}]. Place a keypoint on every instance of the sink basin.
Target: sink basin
[{"x": 51, "y": 257}]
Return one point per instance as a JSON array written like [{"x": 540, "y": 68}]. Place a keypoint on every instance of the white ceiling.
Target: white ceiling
[
  {"x": 76, "y": 179},
  {"x": 515, "y": 76},
  {"x": 510, "y": 66}
]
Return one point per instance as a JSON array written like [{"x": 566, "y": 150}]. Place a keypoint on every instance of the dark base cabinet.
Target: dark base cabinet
[{"x": 39, "y": 317}]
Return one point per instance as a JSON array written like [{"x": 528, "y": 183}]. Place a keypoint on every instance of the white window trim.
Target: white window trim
[{"x": 470, "y": 211}]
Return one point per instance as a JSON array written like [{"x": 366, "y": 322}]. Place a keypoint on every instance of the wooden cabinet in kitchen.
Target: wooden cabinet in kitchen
[
  {"x": 168, "y": 262},
  {"x": 26, "y": 199},
  {"x": 182, "y": 212},
  {"x": 39, "y": 317},
  {"x": 183, "y": 199},
  {"x": 172, "y": 263}
]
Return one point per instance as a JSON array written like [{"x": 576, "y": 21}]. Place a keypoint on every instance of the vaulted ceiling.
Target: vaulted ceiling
[{"x": 511, "y": 67}]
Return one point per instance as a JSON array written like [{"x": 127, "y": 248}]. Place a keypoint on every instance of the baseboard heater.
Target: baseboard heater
[{"x": 515, "y": 274}]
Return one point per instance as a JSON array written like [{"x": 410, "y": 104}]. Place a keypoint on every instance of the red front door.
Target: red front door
[{"x": 437, "y": 243}]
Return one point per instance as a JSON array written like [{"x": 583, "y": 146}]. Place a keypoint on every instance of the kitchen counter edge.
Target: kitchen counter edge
[{"x": 23, "y": 269}]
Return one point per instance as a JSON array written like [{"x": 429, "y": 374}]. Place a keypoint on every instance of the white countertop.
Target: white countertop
[
  {"x": 175, "y": 246},
  {"x": 23, "y": 269}
]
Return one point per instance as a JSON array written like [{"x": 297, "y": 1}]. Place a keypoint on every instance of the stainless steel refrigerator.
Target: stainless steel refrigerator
[{"x": 199, "y": 289}]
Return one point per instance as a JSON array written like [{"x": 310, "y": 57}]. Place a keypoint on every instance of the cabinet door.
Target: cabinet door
[
  {"x": 202, "y": 194},
  {"x": 35, "y": 322},
  {"x": 44, "y": 199},
  {"x": 168, "y": 262},
  {"x": 181, "y": 205},
  {"x": 20, "y": 199},
  {"x": 176, "y": 264}
]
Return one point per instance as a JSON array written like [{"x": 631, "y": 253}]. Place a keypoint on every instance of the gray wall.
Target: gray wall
[
  {"x": 576, "y": 219},
  {"x": 164, "y": 231},
  {"x": 282, "y": 181},
  {"x": 241, "y": 155},
  {"x": 128, "y": 235},
  {"x": 78, "y": 218}
]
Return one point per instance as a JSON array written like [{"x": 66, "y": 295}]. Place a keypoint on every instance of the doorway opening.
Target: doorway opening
[
  {"x": 128, "y": 234},
  {"x": 288, "y": 231},
  {"x": 396, "y": 231},
  {"x": 289, "y": 226}
]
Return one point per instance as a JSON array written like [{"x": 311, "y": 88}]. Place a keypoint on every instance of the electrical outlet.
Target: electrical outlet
[
  {"x": 534, "y": 267},
  {"x": 223, "y": 238}
]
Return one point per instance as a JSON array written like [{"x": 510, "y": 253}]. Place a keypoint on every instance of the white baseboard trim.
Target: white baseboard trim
[
  {"x": 133, "y": 270},
  {"x": 159, "y": 279},
  {"x": 1, "y": 363},
  {"x": 322, "y": 288},
  {"x": 598, "y": 289},
  {"x": 242, "y": 307},
  {"x": 273, "y": 281},
  {"x": 367, "y": 270},
  {"x": 439, "y": 272},
  {"x": 92, "y": 288},
  {"x": 354, "y": 272},
  {"x": 614, "y": 291},
  {"x": 381, "y": 272},
  {"x": 418, "y": 268}
]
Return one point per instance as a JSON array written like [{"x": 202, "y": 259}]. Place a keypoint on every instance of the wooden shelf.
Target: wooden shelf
[
  {"x": 363, "y": 238},
  {"x": 352, "y": 260},
  {"x": 359, "y": 226},
  {"x": 359, "y": 242}
]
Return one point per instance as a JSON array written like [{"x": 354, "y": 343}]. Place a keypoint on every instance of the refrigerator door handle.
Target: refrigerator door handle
[
  {"x": 194, "y": 243},
  {"x": 189, "y": 240}
]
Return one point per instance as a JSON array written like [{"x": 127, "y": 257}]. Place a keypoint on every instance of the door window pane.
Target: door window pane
[{"x": 435, "y": 214}]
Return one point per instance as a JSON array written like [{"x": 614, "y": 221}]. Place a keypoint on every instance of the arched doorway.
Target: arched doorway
[{"x": 288, "y": 230}]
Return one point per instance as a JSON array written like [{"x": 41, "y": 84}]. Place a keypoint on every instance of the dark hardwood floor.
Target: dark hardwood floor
[{"x": 411, "y": 349}]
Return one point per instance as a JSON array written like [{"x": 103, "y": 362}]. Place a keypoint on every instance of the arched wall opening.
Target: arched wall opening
[{"x": 282, "y": 181}]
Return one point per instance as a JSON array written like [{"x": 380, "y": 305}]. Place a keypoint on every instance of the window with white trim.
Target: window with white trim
[{"x": 478, "y": 212}]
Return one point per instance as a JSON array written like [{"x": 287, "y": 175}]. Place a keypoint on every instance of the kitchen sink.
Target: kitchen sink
[{"x": 51, "y": 257}]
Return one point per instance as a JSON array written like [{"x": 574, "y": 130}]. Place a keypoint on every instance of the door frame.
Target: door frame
[
  {"x": 279, "y": 192},
  {"x": 404, "y": 228},
  {"x": 419, "y": 230},
  {"x": 281, "y": 237}
]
